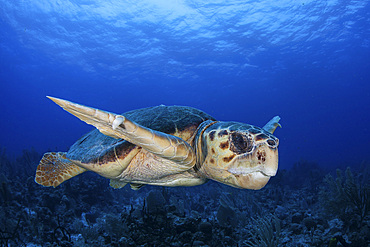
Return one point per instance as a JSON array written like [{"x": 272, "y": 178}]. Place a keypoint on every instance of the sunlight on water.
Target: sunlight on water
[{"x": 162, "y": 30}]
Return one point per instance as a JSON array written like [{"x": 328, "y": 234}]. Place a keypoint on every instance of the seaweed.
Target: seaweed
[
  {"x": 266, "y": 232},
  {"x": 346, "y": 197}
]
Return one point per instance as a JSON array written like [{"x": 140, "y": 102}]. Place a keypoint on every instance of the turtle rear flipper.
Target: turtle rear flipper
[{"x": 55, "y": 168}]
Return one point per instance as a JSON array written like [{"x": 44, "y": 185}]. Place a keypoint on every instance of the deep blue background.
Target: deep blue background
[{"x": 307, "y": 61}]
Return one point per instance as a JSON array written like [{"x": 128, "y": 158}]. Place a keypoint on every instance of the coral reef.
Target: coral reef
[{"x": 299, "y": 207}]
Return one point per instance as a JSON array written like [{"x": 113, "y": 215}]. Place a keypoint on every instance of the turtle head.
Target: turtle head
[{"x": 237, "y": 154}]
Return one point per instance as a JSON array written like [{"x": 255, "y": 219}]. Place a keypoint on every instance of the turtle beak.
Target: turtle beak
[{"x": 253, "y": 171}]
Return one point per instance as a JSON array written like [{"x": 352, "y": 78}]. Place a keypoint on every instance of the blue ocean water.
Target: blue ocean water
[
  {"x": 247, "y": 61},
  {"x": 307, "y": 61}
]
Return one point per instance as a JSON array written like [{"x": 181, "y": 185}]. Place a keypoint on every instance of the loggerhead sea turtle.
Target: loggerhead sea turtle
[{"x": 167, "y": 146}]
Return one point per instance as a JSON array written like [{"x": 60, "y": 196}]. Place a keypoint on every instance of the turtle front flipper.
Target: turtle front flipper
[
  {"x": 117, "y": 126},
  {"x": 55, "y": 168}
]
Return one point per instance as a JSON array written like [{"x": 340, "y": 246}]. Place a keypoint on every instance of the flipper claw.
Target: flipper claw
[{"x": 118, "y": 121}]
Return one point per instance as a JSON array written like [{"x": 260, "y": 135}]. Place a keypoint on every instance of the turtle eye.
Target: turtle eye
[
  {"x": 240, "y": 143},
  {"x": 271, "y": 142}
]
